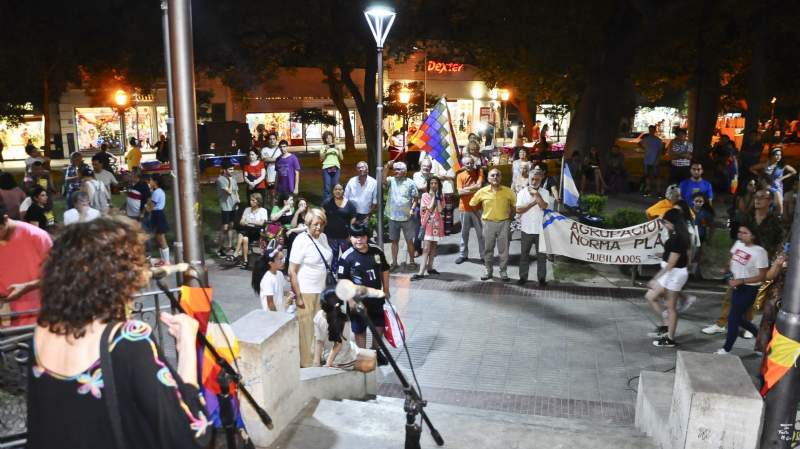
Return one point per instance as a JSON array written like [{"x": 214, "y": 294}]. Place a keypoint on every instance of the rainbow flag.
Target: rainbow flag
[
  {"x": 197, "y": 303},
  {"x": 782, "y": 353},
  {"x": 436, "y": 137}
]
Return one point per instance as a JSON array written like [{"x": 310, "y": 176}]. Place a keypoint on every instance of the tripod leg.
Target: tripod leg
[{"x": 413, "y": 431}]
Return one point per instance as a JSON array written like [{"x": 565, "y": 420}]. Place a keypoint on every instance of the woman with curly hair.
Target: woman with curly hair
[{"x": 88, "y": 282}]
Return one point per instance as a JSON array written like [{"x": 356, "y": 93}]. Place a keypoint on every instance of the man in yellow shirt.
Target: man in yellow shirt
[
  {"x": 497, "y": 202},
  {"x": 133, "y": 158}
]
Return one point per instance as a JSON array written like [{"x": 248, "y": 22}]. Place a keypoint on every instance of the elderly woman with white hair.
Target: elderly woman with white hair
[{"x": 309, "y": 266}]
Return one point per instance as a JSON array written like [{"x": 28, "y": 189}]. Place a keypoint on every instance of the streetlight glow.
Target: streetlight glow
[
  {"x": 493, "y": 93},
  {"x": 505, "y": 94},
  {"x": 404, "y": 96},
  {"x": 380, "y": 19},
  {"x": 121, "y": 98}
]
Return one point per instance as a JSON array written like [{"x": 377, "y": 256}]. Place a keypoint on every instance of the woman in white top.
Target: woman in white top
[
  {"x": 309, "y": 264},
  {"x": 748, "y": 268},
  {"x": 82, "y": 211},
  {"x": 520, "y": 162},
  {"x": 269, "y": 283},
  {"x": 334, "y": 343},
  {"x": 253, "y": 220}
]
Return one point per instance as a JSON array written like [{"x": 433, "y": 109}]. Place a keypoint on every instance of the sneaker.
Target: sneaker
[
  {"x": 433, "y": 271},
  {"x": 661, "y": 331},
  {"x": 486, "y": 277},
  {"x": 521, "y": 281},
  {"x": 460, "y": 260},
  {"x": 748, "y": 335},
  {"x": 665, "y": 342},
  {"x": 722, "y": 351},
  {"x": 685, "y": 305},
  {"x": 714, "y": 329}
]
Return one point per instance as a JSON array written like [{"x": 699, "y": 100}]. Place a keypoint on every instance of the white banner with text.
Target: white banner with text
[{"x": 641, "y": 244}]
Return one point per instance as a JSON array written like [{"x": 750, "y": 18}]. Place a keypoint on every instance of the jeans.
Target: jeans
[
  {"x": 328, "y": 181},
  {"x": 742, "y": 299},
  {"x": 722, "y": 321},
  {"x": 529, "y": 240},
  {"x": 470, "y": 220},
  {"x": 496, "y": 232}
]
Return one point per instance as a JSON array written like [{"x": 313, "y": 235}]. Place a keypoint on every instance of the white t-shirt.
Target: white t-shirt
[
  {"x": 270, "y": 155},
  {"x": 349, "y": 352},
  {"x": 106, "y": 177},
  {"x": 747, "y": 260},
  {"x": 311, "y": 276},
  {"x": 73, "y": 216},
  {"x": 531, "y": 221},
  {"x": 362, "y": 197},
  {"x": 255, "y": 218},
  {"x": 273, "y": 285}
]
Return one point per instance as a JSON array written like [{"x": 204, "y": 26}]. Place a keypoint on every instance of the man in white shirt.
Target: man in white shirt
[
  {"x": 531, "y": 203},
  {"x": 270, "y": 154},
  {"x": 362, "y": 191},
  {"x": 82, "y": 212},
  {"x": 103, "y": 175}
]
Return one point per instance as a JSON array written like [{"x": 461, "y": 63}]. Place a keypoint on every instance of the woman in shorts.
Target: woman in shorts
[{"x": 669, "y": 281}]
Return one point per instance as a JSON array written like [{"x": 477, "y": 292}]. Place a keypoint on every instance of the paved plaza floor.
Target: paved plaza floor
[{"x": 566, "y": 350}]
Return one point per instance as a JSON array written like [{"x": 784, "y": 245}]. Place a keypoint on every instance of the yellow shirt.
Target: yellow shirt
[
  {"x": 659, "y": 209},
  {"x": 497, "y": 205},
  {"x": 133, "y": 158}
]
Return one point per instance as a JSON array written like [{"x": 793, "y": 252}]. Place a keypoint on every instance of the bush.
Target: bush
[
  {"x": 624, "y": 218},
  {"x": 594, "y": 204}
]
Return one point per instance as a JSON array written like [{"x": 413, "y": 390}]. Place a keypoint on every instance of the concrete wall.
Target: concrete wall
[
  {"x": 270, "y": 367},
  {"x": 712, "y": 404}
]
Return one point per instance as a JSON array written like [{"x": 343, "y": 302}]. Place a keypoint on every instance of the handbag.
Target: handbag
[
  {"x": 330, "y": 277},
  {"x": 109, "y": 388}
]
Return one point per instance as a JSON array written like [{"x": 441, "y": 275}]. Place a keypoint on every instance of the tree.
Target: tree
[
  {"x": 312, "y": 116},
  {"x": 43, "y": 50}
]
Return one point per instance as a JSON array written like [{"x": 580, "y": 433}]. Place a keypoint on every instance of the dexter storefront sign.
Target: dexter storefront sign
[{"x": 444, "y": 67}]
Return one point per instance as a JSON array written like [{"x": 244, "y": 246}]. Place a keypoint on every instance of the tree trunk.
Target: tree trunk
[
  {"x": 705, "y": 91},
  {"x": 609, "y": 89},
  {"x": 365, "y": 104},
  {"x": 521, "y": 103},
  {"x": 46, "y": 113},
  {"x": 756, "y": 90},
  {"x": 335, "y": 88}
]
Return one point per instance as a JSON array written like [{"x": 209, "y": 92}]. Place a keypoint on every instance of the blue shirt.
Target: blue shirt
[
  {"x": 652, "y": 148},
  {"x": 159, "y": 199},
  {"x": 689, "y": 188}
]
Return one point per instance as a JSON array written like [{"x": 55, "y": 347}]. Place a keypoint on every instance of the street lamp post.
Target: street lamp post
[
  {"x": 121, "y": 99},
  {"x": 505, "y": 95},
  {"x": 380, "y": 20},
  {"x": 772, "y": 116}
]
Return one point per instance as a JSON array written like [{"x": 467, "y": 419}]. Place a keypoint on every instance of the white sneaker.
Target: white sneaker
[
  {"x": 748, "y": 335},
  {"x": 722, "y": 351},
  {"x": 685, "y": 305},
  {"x": 714, "y": 329}
]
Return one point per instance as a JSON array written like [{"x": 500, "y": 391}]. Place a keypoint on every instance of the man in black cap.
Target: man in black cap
[{"x": 366, "y": 265}]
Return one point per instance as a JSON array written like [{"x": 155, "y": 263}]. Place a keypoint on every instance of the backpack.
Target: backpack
[{"x": 99, "y": 197}]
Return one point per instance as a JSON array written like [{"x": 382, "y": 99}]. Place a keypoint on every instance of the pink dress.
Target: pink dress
[{"x": 434, "y": 225}]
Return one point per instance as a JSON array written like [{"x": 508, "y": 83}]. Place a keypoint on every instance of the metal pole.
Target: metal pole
[
  {"x": 781, "y": 400},
  {"x": 185, "y": 112},
  {"x": 173, "y": 157},
  {"x": 379, "y": 148},
  {"x": 425, "y": 85},
  {"x": 124, "y": 140}
]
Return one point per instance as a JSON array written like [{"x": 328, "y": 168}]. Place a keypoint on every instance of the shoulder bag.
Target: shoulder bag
[
  {"x": 330, "y": 278},
  {"x": 109, "y": 387}
]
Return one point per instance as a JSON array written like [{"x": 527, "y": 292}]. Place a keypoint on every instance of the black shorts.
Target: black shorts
[
  {"x": 158, "y": 222},
  {"x": 253, "y": 233},
  {"x": 374, "y": 312},
  {"x": 228, "y": 216}
]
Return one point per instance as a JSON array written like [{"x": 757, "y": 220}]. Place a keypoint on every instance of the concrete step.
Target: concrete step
[
  {"x": 381, "y": 424},
  {"x": 653, "y": 402}
]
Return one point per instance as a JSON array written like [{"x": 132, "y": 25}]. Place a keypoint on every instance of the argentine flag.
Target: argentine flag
[{"x": 570, "y": 191}]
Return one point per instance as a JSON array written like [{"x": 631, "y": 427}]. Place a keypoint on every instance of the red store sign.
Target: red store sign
[{"x": 444, "y": 67}]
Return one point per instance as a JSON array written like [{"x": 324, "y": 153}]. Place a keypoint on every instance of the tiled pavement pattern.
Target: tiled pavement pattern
[{"x": 562, "y": 351}]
